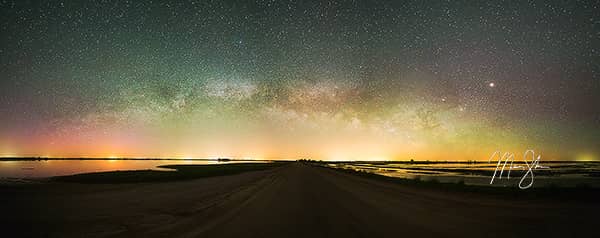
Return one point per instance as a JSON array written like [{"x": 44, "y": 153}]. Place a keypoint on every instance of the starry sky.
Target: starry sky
[{"x": 331, "y": 80}]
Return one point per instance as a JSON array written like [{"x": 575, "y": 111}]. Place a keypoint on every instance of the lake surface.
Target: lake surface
[
  {"x": 552, "y": 173},
  {"x": 563, "y": 174},
  {"x": 49, "y": 168}
]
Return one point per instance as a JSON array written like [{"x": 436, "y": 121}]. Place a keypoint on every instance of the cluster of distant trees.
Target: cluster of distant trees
[{"x": 309, "y": 161}]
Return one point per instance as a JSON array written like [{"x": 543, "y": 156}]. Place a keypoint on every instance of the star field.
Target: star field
[{"x": 439, "y": 80}]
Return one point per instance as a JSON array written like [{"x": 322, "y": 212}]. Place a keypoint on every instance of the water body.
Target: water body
[
  {"x": 552, "y": 173},
  {"x": 49, "y": 168}
]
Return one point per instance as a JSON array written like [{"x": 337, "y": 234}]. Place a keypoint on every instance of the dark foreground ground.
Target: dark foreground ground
[{"x": 295, "y": 200}]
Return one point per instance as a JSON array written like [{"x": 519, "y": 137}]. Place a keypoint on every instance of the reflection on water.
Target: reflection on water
[
  {"x": 48, "y": 168},
  {"x": 563, "y": 174}
]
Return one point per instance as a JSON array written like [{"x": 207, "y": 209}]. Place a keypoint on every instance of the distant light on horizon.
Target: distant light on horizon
[
  {"x": 585, "y": 157},
  {"x": 8, "y": 156}
]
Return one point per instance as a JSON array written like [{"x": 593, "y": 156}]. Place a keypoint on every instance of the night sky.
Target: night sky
[{"x": 331, "y": 80}]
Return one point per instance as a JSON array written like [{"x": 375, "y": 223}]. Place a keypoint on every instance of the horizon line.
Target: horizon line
[{"x": 30, "y": 158}]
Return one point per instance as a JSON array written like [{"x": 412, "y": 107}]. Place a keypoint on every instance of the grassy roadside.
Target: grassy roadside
[
  {"x": 562, "y": 193},
  {"x": 180, "y": 172}
]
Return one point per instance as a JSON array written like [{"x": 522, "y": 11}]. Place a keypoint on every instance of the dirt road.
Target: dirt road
[{"x": 295, "y": 200}]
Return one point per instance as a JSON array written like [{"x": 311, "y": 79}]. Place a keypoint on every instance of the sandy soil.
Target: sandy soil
[{"x": 295, "y": 200}]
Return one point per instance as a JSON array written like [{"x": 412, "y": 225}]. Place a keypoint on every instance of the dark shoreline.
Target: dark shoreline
[{"x": 178, "y": 172}]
